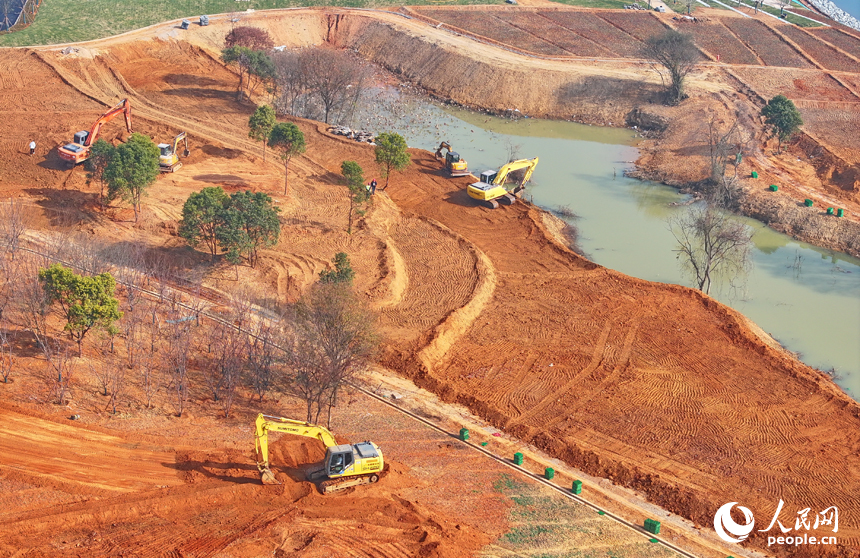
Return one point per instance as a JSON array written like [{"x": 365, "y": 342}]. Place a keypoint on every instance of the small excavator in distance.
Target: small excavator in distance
[
  {"x": 79, "y": 150},
  {"x": 168, "y": 160},
  {"x": 452, "y": 161},
  {"x": 491, "y": 189},
  {"x": 345, "y": 465}
]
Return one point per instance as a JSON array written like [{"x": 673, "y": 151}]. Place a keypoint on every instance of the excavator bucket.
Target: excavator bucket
[
  {"x": 186, "y": 153},
  {"x": 268, "y": 477}
]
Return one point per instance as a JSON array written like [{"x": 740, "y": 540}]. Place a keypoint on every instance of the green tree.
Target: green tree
[
  {"x": 359, "y": 194},
  {"x": 249, "y": 223},
  {"x": 101, "y": 154},
  {"x": 288, "y": 140},
  {"x": 677, "y": 53},
  {"x": 255, "y": 67},
  {"x": 782, "y": 117},
  {"x": 132, "y": 169},
  {"x": 342, "y": 272},
  {"x": 201, "y": 216},
  {"x": 391, "y": 154},
  {"x": 86, "y": 302},
  {"x": 260, "y": 125}
]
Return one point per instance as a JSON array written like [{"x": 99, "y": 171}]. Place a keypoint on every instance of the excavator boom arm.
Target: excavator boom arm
[
  {"x": 181, "y": 137},
  {"x": 266, "y": 423},
  {"x": 503, "y": 173},
  {"x": 122, "y": 107}
]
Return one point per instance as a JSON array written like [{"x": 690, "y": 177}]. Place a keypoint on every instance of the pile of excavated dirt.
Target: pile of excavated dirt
[{"x": 653, "y": 386}]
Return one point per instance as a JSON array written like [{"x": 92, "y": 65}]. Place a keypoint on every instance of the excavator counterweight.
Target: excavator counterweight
[{"x": 79, "y": 150}]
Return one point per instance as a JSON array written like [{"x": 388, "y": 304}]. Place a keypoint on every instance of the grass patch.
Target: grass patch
[
  {"x": 790, "y": 17},
  {"x": 66, "y": 21}
]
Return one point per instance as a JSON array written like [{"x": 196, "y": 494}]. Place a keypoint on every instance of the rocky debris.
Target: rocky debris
[
  {"x": 357, "y": 135},
  {"x": 836, "y": 13}
]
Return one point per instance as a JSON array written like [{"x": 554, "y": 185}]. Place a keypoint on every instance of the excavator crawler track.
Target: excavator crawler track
[{"x": 336, "y": 485}]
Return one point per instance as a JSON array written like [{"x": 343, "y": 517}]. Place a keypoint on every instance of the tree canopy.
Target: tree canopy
[
  {"x": 288, "y": 140},
  {"x": 246, "y": 36},
  {"x": 249, "y": 223},
  {"x": 132, "y": 169},
  {"x": 240, "y": 224},
  {"x": 782, "y": 117},
  {"x": 86, "y": 302},
  {"x": 201, "y": 216},
  {"x": 342, "y": 272},
  {"x": 677, "y": 53},
  {"x": 358, "y": 191},
  {"x": 391, "y": 154},
  {"x": 101, "y": 154},
  {"x": 255, "y": 67},
  {"x": 260, "y": 125}
]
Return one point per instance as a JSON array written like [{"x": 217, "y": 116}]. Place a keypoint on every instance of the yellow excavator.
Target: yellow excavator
[
  {"x": 452, "y": 161},
  {"x": 345, "y": 465},
  {"x": 168, "y": 160},
  {"x": 491, "y": 189}
]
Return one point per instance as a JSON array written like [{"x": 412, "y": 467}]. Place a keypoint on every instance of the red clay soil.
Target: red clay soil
[{"x": 653, "y": 386}]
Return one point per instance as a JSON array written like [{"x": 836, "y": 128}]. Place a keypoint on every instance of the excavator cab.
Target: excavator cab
[{"x": 81, "y": 137}]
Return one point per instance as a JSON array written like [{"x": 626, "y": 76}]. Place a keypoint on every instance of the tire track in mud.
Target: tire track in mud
[
  {"x": 444, "y": 276},
  {"x": 597, "y": 357}
]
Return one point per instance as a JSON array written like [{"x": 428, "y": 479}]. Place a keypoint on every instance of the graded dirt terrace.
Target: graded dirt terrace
[{"x": 655, "y": 387}]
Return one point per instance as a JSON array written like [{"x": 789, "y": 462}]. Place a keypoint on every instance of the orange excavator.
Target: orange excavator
[{"x": 79, "y": 150}]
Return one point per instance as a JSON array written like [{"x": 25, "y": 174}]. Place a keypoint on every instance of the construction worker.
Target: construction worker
[
  {"x": 373, "y": 187},
  {"x": 32, "y": 147}
]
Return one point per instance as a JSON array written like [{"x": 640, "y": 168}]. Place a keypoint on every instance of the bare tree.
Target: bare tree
[
  {"x": 319, "y": 83},
  {"x": 33, "y": 304},
  {"x": 289, "y": 83},
  {"x": 334, "y": 338},
  {"x": 177, "y": 352},
  {"x": 7, "y": 355},
  {"x": 727, "y": 142},
  {"x": 14, "y": 221},
  {"x": 711, "y": 245},
  {"x": 59, "y": 371},
  {"x": 677, "y": 54},
  {"x": 262, "y": 357}
]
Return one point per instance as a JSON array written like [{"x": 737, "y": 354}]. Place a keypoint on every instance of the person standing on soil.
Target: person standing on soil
[
  {"x": 373, "y": 187},
  {"x": 32, "y": 147}
]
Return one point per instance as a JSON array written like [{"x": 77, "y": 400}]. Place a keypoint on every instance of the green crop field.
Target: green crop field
[{"x": 67, "y": 21}]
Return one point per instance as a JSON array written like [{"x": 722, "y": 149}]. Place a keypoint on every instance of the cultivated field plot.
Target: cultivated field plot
[
  {"x": 765, "y": 43},
  {"x": 837, "y": 128},
  {"x": 797, "y": 85},
  {"x": 598, "y": 31},
  {"x": 715, "y": 38},
  {"x": 636, "y": 23},
  {"x": 838, "y": 38},
  {"x": 540, "y": 26},
  {"x": 820, "y": 51},
  {"x": 487, "y": 25}
]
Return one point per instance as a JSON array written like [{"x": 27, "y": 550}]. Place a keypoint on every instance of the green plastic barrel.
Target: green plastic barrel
[
  {"x": 652, "y": 526},
  {"x": 549, "y": 473},
  {"x": 774, "y": 187},
  {"x": 840, "y": 212},
  {"x": 518, "y": 458},
  {"x": 830, "y": 211},
  {"x": 464, "y": 434},
  {"x": 807, "y": 202},
  {"x": 754, "y": 174},
  {"x": 577, "y": 487}
]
